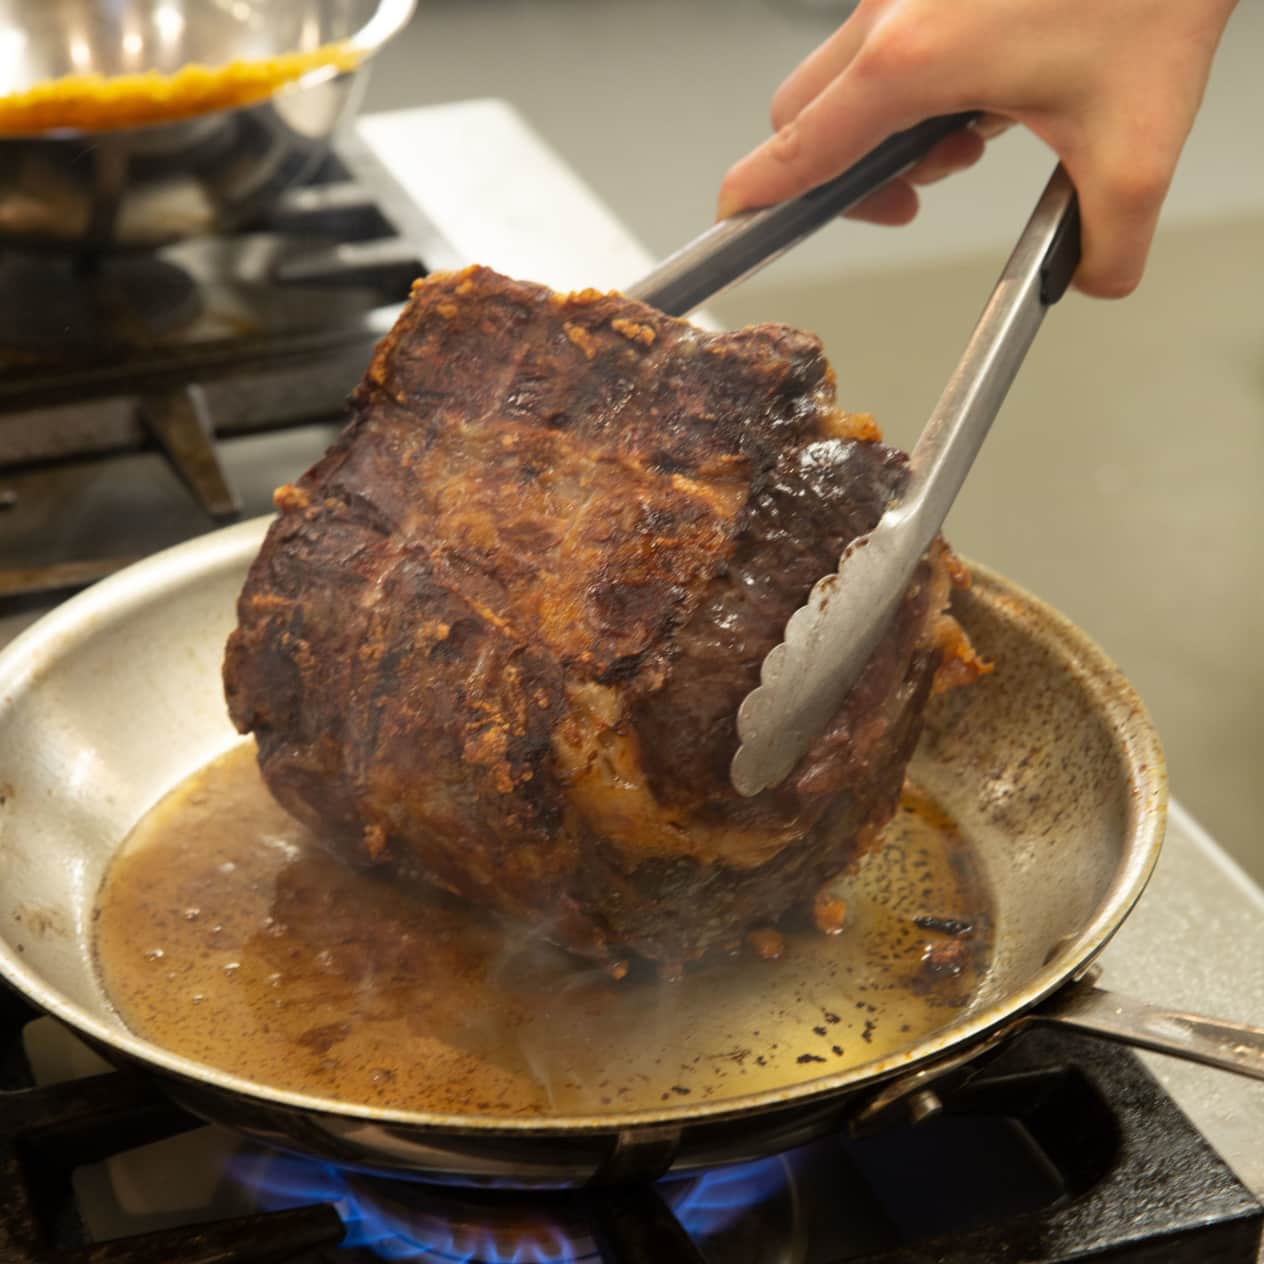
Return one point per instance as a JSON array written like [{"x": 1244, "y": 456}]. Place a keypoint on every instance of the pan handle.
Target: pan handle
[{"x": 1229, "y": 1046}]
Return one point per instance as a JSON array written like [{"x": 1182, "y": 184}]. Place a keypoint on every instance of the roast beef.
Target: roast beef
[{"x": 498, "y": 634}]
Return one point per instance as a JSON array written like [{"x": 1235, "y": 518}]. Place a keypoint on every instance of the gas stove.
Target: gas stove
[{"x": 179, "y": 396}]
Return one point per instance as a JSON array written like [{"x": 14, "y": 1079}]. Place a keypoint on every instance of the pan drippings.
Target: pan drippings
[{"x": 226, "y": 933}]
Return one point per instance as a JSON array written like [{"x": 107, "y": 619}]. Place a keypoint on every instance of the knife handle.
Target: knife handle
[{"x": 730, "y": 251}]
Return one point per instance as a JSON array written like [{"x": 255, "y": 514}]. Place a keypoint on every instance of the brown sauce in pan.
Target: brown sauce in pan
[{"x": 226, "y": 933}]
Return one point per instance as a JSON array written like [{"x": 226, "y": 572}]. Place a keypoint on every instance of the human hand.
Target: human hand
[{"x": 1112, "y": 86}]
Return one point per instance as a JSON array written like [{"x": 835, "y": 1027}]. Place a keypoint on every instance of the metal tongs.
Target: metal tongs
[{"x": 830, "y": 638}]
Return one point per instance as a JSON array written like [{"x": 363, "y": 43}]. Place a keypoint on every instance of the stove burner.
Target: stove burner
[
  {"x": 53, "y": 305},
  {"x": 750, "y": 1209},
  {"x": 415, "y": 1220}
]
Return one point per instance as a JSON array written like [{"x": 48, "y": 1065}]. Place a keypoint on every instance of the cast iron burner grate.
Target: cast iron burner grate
[
  {"x": 1062, "y": 1149},
  {"x": 254, "y": 331}
]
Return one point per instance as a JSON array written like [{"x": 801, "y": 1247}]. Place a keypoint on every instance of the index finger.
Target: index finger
[
  {"x": 839, "y": 126},
  {"x": 817, "y": 70}
]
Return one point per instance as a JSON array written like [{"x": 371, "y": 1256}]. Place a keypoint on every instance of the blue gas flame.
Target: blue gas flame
[
  {"x": 395, "y": 1230},
  {"x": 281, "y": 1181},
  {"x": 706, "y": 1205}
]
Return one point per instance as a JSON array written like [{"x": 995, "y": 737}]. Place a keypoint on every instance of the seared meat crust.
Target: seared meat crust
[{"x": 498, "y": 634}]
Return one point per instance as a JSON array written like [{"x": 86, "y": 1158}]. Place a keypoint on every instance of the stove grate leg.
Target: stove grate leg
[{"x": 180, "y": 423}]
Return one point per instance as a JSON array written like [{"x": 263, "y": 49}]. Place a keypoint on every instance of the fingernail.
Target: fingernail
[{"x": 727, "y": 204}]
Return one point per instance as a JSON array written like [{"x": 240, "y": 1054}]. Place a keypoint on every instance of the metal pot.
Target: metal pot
[{"x": 137, "y": 188}]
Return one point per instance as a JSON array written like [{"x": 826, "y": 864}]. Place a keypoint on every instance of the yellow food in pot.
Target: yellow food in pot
[{"x": 93, "y": 102}]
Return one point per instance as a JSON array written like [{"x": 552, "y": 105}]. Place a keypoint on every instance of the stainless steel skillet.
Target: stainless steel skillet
[{"x": 1049, "y": 767}]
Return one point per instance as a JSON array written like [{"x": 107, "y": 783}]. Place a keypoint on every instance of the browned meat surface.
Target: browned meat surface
[{"x": 498, "y": 634}]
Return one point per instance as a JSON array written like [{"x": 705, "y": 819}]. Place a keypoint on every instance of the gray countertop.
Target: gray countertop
[{"x": 1196, "y": 942}]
